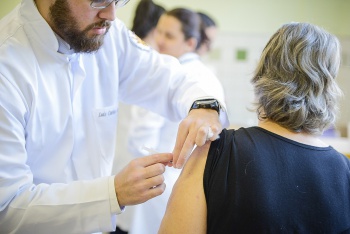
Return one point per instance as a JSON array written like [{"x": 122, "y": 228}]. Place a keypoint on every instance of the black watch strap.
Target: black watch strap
[{"x": 206, "y": 104}]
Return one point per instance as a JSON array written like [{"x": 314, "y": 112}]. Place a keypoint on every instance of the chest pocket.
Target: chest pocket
[{"x": 106, "y": 126}]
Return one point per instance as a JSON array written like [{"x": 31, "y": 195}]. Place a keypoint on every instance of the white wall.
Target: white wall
[
  {"x": 256, "y": 16},
  {"x": 6, "y": 6},
  {"x": 251, "y": 16}
]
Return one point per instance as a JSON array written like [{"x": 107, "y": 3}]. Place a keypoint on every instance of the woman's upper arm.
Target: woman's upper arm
[{"x": 187, "y": 210}]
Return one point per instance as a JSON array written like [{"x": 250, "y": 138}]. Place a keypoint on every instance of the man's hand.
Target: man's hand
[
  {"x": 198, "y": 127},
  {"x": 142, "y": 179}
]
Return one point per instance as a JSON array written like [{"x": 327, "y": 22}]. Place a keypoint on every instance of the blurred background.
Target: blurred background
[{"x": 244, "y": 28}]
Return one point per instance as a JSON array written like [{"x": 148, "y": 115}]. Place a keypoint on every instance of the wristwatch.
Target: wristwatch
[{"x": 206, "y": 104}]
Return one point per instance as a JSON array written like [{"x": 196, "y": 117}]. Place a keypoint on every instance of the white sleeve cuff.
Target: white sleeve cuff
[{"x": 113, "y": 200}]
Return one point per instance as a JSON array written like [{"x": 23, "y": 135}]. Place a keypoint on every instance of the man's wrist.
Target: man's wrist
[
  {"x": 208, "y": 103},
  {"x": 115, "y": 207}
]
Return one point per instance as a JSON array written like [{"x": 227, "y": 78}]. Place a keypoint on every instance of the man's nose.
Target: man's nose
[{"x": 108, "y": 13}]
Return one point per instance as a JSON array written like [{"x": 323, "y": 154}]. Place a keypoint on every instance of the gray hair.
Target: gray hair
[{"x": 294, "y": 82}]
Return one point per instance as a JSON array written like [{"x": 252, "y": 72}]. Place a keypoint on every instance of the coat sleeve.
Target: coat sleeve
[{"x": 25, "y": 207}]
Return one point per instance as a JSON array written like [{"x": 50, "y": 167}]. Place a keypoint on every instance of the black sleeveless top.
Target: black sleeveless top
[{"x": 258, "y": 182}]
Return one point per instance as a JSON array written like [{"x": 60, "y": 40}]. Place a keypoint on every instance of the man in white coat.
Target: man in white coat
[{"x": 64, "y": 66}]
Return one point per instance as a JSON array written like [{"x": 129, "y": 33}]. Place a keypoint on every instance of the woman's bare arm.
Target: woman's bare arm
[{"x": 187, "y": 209}]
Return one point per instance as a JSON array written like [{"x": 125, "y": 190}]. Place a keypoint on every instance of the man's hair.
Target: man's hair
[
  {"x": 146, "y": 17},
  {"x": 294, "y": 82}
]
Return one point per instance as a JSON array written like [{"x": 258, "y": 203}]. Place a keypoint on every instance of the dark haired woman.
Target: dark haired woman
[{"x": 146, "y": 17}]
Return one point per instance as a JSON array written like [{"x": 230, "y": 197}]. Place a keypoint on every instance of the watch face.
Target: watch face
[
  {"x": 206, "y": 104},
  {"x": 201, "y": 102}
]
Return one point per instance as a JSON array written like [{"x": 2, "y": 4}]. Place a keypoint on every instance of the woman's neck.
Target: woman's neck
[{"x": 301, "y": 137}]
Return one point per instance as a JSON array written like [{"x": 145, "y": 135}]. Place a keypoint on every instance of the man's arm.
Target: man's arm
[
  {"x": 167, "y": 89},
  {"x": 187, "y": 210}
]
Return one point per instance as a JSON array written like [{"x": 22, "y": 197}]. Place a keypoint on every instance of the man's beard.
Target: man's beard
[{"x": 66, "y": 26}]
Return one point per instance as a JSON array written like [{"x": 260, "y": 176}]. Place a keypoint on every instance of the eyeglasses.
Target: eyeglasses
[{"x": 101, "y": 4}]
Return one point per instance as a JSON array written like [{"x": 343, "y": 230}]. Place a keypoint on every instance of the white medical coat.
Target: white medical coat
[
  {"x": 58, "y": 116},
  {"x": 154, "y": 131}
]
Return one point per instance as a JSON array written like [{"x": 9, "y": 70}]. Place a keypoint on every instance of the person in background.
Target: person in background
[
  {"x": 210, "y": 32},
  {"x": 64, "y": 67},
  {"x": 277, "y": 177},
  {"x": 178, "y": 33},
  {"x": 146, "y": 17},
  {"x": 147, "y": 14}
]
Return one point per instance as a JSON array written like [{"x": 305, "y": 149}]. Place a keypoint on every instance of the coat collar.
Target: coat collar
[
  {"x": 188, "y": 57},
  {"x": 36, "y": 26}
]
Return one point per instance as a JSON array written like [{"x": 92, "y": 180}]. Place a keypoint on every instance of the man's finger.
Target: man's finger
[
  {"x": 203, "y": 134},
  {"x": 182, "y": 134},
  {"x": 156, "y": 191},
  {"x": 185, "y": 152},
  {"x": 154, "y": 181},
  {"x": 154, "y": 170},
  {"x": 156, "y": 158}
]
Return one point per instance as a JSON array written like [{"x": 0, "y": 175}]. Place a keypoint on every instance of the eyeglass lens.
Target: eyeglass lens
[{"x": 106, "y": 3}]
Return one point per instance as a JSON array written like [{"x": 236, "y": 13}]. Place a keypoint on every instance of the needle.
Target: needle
[{"x": 151, "y": 151}]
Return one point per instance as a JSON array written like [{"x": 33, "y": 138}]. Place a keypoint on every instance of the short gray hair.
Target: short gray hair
[{"x": 294, "y": 81}]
